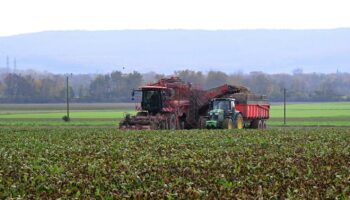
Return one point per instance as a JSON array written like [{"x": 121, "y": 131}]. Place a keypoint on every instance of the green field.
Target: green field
[
  {"x": 312, "y": 114},
  {"x": 74, "y": 114},
  {"x": 106, "y": 114},
  {"x": 298, "y": 114},
  {"x": 90, "y": 163}
]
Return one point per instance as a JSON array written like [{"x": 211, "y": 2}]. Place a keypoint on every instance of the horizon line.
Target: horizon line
[{"x": 175, "y": 29}]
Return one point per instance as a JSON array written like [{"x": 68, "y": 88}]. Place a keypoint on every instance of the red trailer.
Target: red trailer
[
  {"x": 254, "y": 111},
  {"x": 254, "y": 114}
]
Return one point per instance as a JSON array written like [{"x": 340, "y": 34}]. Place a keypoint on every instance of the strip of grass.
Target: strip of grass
[
  {"x": 62, "y": 106},
  {"x": 309, "y": 123},
  {"x": 61, "y": 123},
  {"x": 73, "y": 114}
]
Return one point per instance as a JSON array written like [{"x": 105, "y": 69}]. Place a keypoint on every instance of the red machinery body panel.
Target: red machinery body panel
[{"x": 254, "y": 111}]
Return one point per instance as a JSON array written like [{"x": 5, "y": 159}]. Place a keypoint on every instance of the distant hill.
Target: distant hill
[{"x": 164, "y": 51}]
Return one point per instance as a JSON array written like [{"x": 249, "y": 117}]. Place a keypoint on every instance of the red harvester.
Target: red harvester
[{"x": 171, "y": 103}]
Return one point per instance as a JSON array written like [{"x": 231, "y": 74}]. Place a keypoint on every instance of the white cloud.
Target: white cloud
[{"x": 22, "y": 16}]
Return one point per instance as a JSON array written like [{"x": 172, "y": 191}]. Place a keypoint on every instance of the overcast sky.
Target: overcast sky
[{"x": 24, "y": 16}]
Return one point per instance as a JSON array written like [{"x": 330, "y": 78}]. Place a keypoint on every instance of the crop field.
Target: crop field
[
  {"x": 298, "y": 114},
  {"x": 108, "y": 163}
]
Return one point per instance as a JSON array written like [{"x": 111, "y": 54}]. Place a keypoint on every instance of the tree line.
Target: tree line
[
  {"x": 116, "y": 86},
  {"x": 300, "y": 86}
]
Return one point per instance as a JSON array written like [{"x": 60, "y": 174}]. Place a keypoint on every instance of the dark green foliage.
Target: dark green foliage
[
  {"x": 66, "y": 118},
  {"x": 116, "y": 86},
  {"x": 108, "y": 163},
  {"x": 113, "y": 87}
]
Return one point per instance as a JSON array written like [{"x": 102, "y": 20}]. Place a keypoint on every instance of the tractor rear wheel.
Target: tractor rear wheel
[
  {"x": 239, "y": 123},
  {"x": 228, "y": 123}
]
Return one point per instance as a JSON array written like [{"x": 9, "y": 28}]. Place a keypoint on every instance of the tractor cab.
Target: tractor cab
[{"x": 226, "y": 105}]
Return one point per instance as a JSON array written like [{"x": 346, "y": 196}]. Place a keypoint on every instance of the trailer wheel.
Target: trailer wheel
[
  {"x": 260, "y": 124},
  {"x": 254, "y": 123},
  {"x": 228, "y": 123},
  {"x": 239, "y": 123},
  {"x": 264, "y": 126}
]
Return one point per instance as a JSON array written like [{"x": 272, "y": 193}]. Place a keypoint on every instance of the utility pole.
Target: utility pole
[
  {"x": 284, "y": 99},
  {"x": 67, "y": 97}
]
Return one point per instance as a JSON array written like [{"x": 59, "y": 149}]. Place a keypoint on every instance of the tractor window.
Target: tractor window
[
  {"x": 151, "y": 100},
  {"x": 221, "y": 104}
]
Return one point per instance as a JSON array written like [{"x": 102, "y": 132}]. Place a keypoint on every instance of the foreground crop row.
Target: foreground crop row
[{"x": 108, "y": 163}]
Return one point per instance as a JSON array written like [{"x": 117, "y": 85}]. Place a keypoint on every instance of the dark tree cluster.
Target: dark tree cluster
[
  {"x": 113, "y": 87},
  {"x": 116, "y": 86},
  {"x": 300, "y": 86}
]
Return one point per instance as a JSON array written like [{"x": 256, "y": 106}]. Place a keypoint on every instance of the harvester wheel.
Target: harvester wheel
[
  {"x": 239, "y": 123},
  {"x": 228, "y": 123},
  {"x": 163, "y": 125},
  {"x": 181, "y": 124},
  {"x": 172, "y": 122},
  {"x": 202, "y": 123}
]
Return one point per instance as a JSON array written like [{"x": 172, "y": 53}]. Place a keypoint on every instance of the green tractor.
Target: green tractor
[{"x": 223, "y": 115}]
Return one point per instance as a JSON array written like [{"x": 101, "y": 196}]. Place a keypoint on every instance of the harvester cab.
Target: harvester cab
[
  {"x": 152, "y": 114},
  {"x": 152, "y": 98},
  {"x": 223, "y": 114}
]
